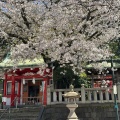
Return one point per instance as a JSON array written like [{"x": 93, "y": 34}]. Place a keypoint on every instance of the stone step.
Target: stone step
[
  {"x": 20, "y": 113},
  {"x": 18, "y": 118}
]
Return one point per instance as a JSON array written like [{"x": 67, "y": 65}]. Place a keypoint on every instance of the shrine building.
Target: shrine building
[
  {"x": 27, "y": 84},
  {"x": 104, "y": 78}
]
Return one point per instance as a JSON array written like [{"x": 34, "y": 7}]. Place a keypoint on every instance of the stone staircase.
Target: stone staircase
[
  {"x": 99, "y": 111},
  {"x": 26, "y": 113}
]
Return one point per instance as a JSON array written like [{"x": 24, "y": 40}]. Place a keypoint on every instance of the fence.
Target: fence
[
  {"x": 87, "y": 95},
  {"x": 32, "y": 100}
]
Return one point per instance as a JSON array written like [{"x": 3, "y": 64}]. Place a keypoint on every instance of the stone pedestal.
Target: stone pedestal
[{"x": 72, "y": 115}]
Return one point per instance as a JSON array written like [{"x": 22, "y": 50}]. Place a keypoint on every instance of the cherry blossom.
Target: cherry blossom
[{"x": 70, "y": 31}]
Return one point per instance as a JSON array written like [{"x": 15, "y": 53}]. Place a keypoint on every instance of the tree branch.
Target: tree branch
[
  {"x": 24, "y": 40},
  {"x": 23, "y": 14}
]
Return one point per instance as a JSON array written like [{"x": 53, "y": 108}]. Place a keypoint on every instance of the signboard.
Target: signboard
[
  {"x": 4, "y": 99},
  {"x": 114, "y": 89}
]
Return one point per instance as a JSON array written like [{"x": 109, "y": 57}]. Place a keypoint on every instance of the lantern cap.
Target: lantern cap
[{"x": 71, "y": 94}]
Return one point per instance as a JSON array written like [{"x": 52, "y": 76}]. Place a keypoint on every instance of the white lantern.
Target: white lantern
[
  {"x": 33, "y": 81},
  {"x": 23, "y": 81}
]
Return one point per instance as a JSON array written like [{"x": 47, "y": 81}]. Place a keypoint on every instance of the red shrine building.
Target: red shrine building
[
  {"x": 27, "y": 84},
  {"x": 104, "y": 78}
]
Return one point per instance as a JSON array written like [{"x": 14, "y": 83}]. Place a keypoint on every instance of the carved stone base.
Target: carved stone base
[{"x": 72, "y": 115}]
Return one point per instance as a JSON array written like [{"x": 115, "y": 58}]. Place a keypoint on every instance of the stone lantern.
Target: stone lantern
[{"x": 71, "y": 98}]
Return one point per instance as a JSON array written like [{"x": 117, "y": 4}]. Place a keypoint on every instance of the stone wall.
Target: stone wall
[
  {"x": 60, "y": 112},
  {"x": 84, "y": 112}
]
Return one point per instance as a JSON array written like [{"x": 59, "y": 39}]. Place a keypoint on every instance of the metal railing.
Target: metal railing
[
  {"x": 41, "y": 112},
  {"x": 8, "y": 109}
]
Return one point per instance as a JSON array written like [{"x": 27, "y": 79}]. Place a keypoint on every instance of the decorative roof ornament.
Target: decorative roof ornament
[
  {"x": 71, "y": 88},
  {"x": 28, "y": 73}
]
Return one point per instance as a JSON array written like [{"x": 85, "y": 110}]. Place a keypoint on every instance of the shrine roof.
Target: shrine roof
[
  {"x": 8, "y": 63},
  {"x": 105, "y": 64}
]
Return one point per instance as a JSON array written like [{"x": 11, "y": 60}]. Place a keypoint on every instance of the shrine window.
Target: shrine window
[
  {"x": 9, "y": 88},
  {"x": 16, "y": 87}
]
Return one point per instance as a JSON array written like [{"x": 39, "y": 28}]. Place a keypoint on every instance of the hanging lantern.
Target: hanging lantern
[
  {"x": 47, "y": 70},
  {"x": 33, "y": 81},
  {"x": 23, "y": 81}
]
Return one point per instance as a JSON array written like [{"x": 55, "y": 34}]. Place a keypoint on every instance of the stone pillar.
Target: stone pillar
[
  {"x": 101, "y": 96},
  {"x": 48, "y": 95},
  {"x": 83, "y": 93},
  {"x": 107, "y": 95},
  {"x": 60, "y": 96},
  {"x": 95, "y": 95},
  {"x": 72, "y": 115},
  {"x": 54, "y": 96}
]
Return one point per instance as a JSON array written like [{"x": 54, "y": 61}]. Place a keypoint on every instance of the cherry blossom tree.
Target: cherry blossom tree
[{"x": 71, "y": 32}]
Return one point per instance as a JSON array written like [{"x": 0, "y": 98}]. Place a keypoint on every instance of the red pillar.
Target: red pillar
[
  {"x": 13, "y": 91},
  {"x": 5, "y": 87},
  {"x": 19, "y": 91},
  {"x": 45, "y": 91},
  {"x": 5, "y": 84}
]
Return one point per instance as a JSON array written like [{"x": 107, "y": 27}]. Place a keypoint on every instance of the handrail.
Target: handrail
[
  {"x": 8, "y": 107},
  {"x": 42, "y": 109},
  {"x": 79, "y": 89},
  {"x": 66, "y": 90},
  {"x": 93, "y": 89},
  {"x": 41, "y": 112}
]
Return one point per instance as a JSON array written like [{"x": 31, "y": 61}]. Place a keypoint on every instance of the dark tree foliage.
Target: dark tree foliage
[
  {"x": 64, "y": 76},
  {"x": 115, "y": 47}
]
